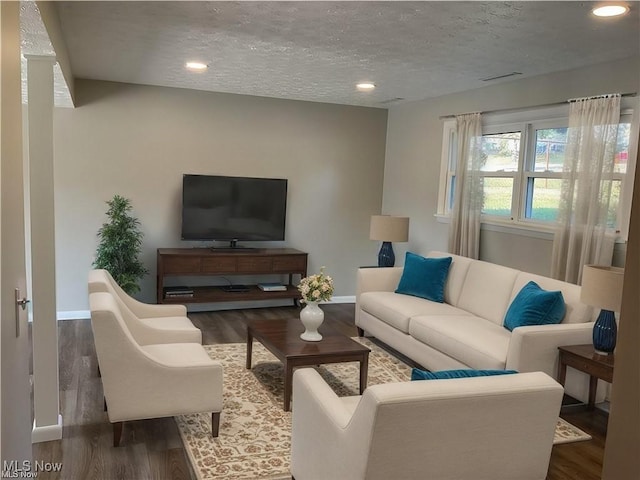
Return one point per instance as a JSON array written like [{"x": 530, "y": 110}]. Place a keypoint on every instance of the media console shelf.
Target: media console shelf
[{"x": 207, "y": 262}]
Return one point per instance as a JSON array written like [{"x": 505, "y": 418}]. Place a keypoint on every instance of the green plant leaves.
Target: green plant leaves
[{"x": 120, "y": 245}]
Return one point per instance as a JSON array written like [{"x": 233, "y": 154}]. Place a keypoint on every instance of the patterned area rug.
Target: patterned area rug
[
  {"x": 567, "y": 433},
  {"x": 255, "y": 432}
]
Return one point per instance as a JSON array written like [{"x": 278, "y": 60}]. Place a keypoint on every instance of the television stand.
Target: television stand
[
  {"x": 207, "y": 262},
  {"x": 233, "y": 249},
  {"x": 233, "y": 246},
  {"x": 235, "y": 288}
]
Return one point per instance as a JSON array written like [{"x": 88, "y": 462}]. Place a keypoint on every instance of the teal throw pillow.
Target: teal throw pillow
[
  {"x": 417, "y": 374},
  {"x": 535, "y": 306},
  {"x": 424, "y": 277}
]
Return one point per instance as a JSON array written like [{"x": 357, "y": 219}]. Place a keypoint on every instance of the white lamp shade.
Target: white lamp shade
[
  {"x": 386, "y": 228},
  {"x": 602, "y": 287}
]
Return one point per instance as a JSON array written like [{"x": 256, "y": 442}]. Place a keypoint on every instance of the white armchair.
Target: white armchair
[
  {"x": 150, "y": 381},
  {"x": 489, "y": 428},
  {"x": 148, "y": 324}
]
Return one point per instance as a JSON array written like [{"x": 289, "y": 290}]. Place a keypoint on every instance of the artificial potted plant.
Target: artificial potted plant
[{"x": 120, "y": 245}]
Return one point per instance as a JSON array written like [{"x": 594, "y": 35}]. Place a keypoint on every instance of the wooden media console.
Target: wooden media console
[{"x": 203, "y": 262}]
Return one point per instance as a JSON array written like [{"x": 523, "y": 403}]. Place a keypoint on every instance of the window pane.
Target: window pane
[
  {"x": 451, "y": 192},
  {"x": 613, "y": 204},
  {"x": 543, "y": 199},
  {"x": 501, "y": 152},
  {"x": 550, "y": 148},
  {"x": 497, "y": 196},
  {"x": 622, "y": 148}
]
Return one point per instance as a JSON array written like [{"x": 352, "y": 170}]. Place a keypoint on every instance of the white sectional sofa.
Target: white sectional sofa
[{"x": 466, "y": 331}]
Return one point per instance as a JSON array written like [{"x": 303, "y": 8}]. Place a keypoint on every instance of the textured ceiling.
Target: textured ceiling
[
  {"x": 318, "y": 51},
  {"x": 35, "y": 41}
]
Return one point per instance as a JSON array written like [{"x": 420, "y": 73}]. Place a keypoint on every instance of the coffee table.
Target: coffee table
[{"x": 282, "y": 338}]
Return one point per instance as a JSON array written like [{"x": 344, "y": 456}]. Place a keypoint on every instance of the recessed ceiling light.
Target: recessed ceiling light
[
  {"x": 610, "y": 10},
  {"x": 365, "y": 86},
  {"x": 197, "y": 66}
]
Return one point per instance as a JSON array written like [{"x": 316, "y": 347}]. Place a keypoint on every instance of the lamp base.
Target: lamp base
[
  {"x": 604, "y": 354},
  {"x": 604, "y": 333},
  {"x": 386, "y": 257}
]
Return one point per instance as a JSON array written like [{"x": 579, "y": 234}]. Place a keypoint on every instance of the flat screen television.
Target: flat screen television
[{"x": 233, "y": 208}]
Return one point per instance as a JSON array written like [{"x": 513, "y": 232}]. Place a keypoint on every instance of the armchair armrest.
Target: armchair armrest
[
  {"x": 144, "y": 310},
  {"x": 162, "y": 380},
  {"x": 535, "y": 348}
]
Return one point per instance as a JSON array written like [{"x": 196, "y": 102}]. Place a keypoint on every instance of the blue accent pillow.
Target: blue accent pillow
[
  {"x": 535, "y": 306},
  {"x": 417, "y": 374},
  {"x": 424, "y": 277}
]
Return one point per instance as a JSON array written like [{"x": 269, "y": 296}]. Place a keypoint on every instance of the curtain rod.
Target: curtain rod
[{"x": 516, "y": 109}]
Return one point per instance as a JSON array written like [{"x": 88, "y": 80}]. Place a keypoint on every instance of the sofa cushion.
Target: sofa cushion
[
  {"x": 417, "y": 374},
  {"x": 487, "y": 290},
  {"x": 424, "y": 277},
  {"x": 577, "y": 312},
  {"x": 535, "y": 306},
  {"x": 471, "y": 340},
  {"x": 396, "y": 309},
  {"x": 457, "y": 274}
]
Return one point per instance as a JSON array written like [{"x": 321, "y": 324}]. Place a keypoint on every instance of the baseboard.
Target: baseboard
[
  {"x": 86, "y": 315},
  {"x": 73, "y": 315},
  {"x": 345, "y": 299},
  {"x": 47, "y": 433}
]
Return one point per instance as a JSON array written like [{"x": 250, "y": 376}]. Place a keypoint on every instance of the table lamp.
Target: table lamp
[
  {"x": 387, "y": 229},
  {"x": 602, "y": 287}
]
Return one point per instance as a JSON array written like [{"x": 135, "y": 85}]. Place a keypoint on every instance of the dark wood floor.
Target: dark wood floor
[{"x": 152, "y": 449}]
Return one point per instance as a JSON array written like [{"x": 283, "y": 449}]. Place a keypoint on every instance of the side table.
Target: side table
[{"x": 585, "y": 359}]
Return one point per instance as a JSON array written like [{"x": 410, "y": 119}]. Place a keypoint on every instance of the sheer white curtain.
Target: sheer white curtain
[
  {"x": 581, "y": 236},
  {"x": 464, "y": 230}
]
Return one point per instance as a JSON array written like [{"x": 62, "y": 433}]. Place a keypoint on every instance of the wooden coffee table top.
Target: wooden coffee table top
[{"x": 282, "y": 338}]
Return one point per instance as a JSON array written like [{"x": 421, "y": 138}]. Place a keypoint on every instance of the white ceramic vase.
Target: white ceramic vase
[{"x": 311, "y": 317}]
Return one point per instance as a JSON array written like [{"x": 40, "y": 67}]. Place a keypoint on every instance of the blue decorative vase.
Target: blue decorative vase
[
  {"x": 386, "y": 257},
  {"x": 604, "y": 333}
]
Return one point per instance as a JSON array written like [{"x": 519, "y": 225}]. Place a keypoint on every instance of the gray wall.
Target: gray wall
[
  {"x": 414, "y": 146},
  {"x": 138, "y": 141}
]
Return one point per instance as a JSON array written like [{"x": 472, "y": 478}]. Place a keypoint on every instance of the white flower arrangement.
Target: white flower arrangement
[{"x": 316, "y": 288}]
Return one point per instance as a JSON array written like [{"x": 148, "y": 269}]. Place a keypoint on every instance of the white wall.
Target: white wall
[
  {"x": 414, "y": 145},
  {"x": 15, "y": 405},
  {"x": 138, "y": 141}
]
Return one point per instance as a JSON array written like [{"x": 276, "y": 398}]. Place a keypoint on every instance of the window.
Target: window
[
  {"x": 522, "y": 171},
  {"x": 500, "y": 161}
]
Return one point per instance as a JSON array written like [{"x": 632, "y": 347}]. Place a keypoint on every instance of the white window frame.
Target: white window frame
[
  {"x": 515, "y": 175},
  {"x": 527, "y": 122},
  {"x": 447, "y": 168}
]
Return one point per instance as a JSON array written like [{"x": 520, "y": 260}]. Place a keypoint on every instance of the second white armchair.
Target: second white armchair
[{"x": 147, "y": 323}]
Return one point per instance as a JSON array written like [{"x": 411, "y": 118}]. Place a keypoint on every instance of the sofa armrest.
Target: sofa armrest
[
  {"x": 384, "y": 279},
  {"x": 535, "y": 348},
  {"x": 313, "y": 394},
  {"x": 320, "y": 446}
]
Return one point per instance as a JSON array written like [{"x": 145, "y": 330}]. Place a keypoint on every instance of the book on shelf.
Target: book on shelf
[
  {"x": 178, "y": 292},
  {"x": 272, "y": 287}
]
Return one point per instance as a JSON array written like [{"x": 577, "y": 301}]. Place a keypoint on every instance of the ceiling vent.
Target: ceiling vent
[
  {"x": 506, "y": 75},
  {"x": 391, "y": 100}
]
